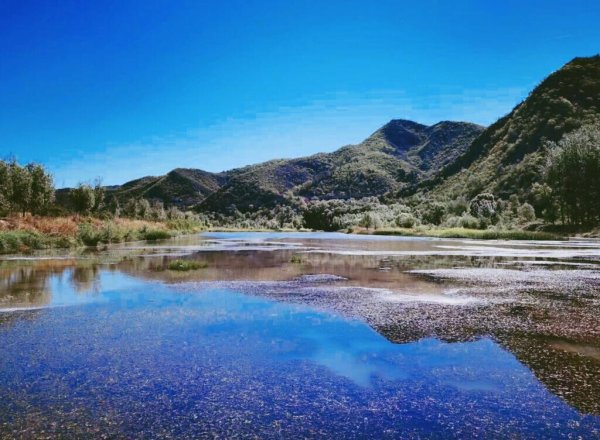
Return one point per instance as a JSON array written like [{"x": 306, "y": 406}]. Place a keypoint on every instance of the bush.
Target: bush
[
  {"x": 186, "y": 265},
  {"x": 88, "y": 235},
  {"x": 20, "y": 241},
  {"x": 484, "y": 206},
  {"x": 465, "y": 221},
  {"x": 526, "y": 213},
  {"x": 406, "y": 220},
  {"x": 433, "y": 212},
  {"x": 154, "y": 234}
]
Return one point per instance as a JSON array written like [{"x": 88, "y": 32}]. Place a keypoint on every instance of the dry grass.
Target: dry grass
[
  {"x": 20, "y": 234},
  {"x": 69, "y": 226}
]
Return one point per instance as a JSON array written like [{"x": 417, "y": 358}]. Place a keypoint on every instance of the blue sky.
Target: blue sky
[{"x": 122, "y": 89}]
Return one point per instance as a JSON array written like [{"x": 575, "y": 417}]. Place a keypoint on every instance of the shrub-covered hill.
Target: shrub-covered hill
[
  {"x": 509, "y": 156},
  {"x": 400, "y": 153},
  {"x": 180, "y": 187}
]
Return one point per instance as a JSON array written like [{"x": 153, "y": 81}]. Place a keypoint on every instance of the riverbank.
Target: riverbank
[
  {"x": 476, "y": 234},
  {"x": 29, "y": 233},
  {"x": 25, "y": 234}
]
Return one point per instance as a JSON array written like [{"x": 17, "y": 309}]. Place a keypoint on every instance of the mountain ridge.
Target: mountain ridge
[{"x": 398, "y": 152}]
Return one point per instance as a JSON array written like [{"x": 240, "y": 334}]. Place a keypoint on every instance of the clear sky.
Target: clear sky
[{"x": 121, "y": 89}]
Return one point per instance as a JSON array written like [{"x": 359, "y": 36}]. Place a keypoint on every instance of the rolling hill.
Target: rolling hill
[
  {"x": 403, "y": 158},
  {"x": 508, "y": 157},
  {"x": 399, "y": 153}
]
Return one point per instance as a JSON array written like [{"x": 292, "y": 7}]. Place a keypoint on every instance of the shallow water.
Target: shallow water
[{"x": 378, "y": 337}]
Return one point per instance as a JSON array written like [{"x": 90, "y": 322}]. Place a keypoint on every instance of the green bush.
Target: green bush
[
  {"x": 154, "y": 234},
  {"x": 88, "y": 235},
  {"x": 24, "y": 241},
  {"x": 406, "y": 220},
  {"x": 186, "y": 265}
]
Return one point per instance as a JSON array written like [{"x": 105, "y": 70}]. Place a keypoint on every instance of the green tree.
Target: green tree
[
  {"x": 484, "y": 207},
  {"x": 573, "y": 173},
  {"x": 526, "y": 213},
  {"x": 5, "y": 188},
  {"x": 42, "y": 189},
  {"x": 99, "y": 193},
  {"x": 433, "y": 212},
  {"x": 83, "y": 198},
  {"x": 20, "y": 197}
]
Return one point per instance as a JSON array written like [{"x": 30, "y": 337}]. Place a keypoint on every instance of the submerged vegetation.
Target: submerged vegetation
[
  {"x": 187, "y": 265},
  {"x": 296, "y": 259}
]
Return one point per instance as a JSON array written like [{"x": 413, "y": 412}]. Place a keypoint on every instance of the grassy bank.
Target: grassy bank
[
  {"x": 479, "y": 234},
  {"x": 24, "y": 234}
]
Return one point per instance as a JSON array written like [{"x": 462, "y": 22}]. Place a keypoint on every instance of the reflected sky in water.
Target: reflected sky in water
[
  {"x": 113, "y": 344},
  {"x": 141, "y": 358}
]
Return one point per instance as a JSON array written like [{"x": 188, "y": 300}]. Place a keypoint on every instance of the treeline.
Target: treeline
[
  {"x": 23, "y": 189},
  {"x": 92, "y": 199}
]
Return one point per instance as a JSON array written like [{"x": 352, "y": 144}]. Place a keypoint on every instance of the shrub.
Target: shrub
[
  {"x": 406, "y": 220},
  {"x": 526, "y": 213},
  {"x": 88, "y": 235},
  {"x": 433, "y": 212},
  {"x": 154, "y": 234},
  {"x": 186, "y": 265},
  {"x": 465, "y": 221},
  {"x": 20, "y": 241},
  {"x": 484, "y": 206}
]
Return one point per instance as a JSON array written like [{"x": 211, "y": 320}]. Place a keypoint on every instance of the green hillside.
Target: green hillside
[
  {"x": 400, "y": 153},
  {"x": 509, "y": 156}
]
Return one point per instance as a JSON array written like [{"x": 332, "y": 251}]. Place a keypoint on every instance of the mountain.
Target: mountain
[
  {"x": 181, "y": 187},
  {"x": 508, "y": 156},
  {"x": 399, "y": 153}
]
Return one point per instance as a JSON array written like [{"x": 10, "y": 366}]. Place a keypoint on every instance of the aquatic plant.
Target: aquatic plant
[{"x": 186, "y": 265}]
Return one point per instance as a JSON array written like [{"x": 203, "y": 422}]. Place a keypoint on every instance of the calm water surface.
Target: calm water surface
[{"x": 348, "y": 343}]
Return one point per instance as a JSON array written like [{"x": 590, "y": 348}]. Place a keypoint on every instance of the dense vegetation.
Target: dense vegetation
[
  {"x": 573, "y": 177},
  {"x": 510, "y": 156},
  {"x": 25, "y": 189}
]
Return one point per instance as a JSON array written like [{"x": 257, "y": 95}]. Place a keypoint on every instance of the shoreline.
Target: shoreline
[{"x": 106, "y": 232}]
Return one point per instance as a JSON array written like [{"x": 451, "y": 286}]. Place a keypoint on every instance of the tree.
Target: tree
[
  {"x": 83, "y": 198},
  {"x": 433, "y": 212},
  {"x": 526, "y": 213},
  {"x": 99, "y": 193},
  {"x": 367, "y": 220},
  {"x": 484, "y": 206},
  {"x": 143, "y": 208},
  {"x": 20, "y": 197},
  {"x": 5, "y": 188},
  {"x": 42, "y": 189},
  {"x": 573, "y": 174}
]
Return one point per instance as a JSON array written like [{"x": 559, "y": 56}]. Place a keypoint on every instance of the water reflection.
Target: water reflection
[
  {"x": 249, "y": 345},
  {"x": 221, "y": 362}
]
